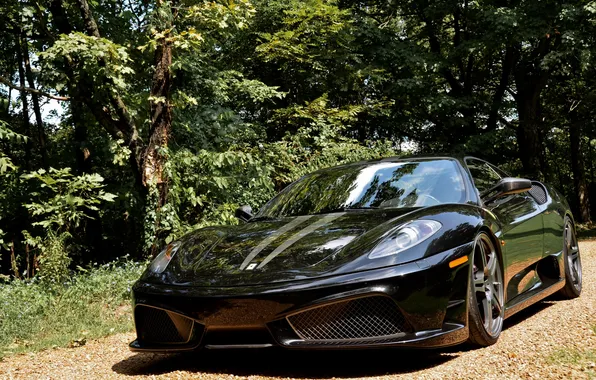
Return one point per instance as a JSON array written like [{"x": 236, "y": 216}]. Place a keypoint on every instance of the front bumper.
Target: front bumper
[{"x": 417, "y": 304}]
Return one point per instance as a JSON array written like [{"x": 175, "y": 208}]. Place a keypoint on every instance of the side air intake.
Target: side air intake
[{"x": 158, "y": 326}]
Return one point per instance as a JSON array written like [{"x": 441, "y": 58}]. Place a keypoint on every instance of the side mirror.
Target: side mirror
[
  {"x": 506, "y": 186},
  {"x": 244, "y": 213}
]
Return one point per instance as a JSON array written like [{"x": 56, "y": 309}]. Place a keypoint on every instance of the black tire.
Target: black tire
[
  {"x": 573, "y": 263},
  {"x": 486, "y": 309}
]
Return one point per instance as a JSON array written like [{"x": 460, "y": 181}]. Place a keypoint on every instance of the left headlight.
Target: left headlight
[
  {"x": 161, "y": 261},
  {"x": 406, "y": 237}
]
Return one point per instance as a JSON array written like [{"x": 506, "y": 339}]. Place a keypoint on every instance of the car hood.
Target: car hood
[
  {"x": 270, "y": 250},
  {"x": 302, "y": 247}
]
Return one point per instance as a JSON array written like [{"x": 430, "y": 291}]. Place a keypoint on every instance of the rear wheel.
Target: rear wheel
[
  {"x": 486, "y": 310},
  {"x": 573, "y": 263}
]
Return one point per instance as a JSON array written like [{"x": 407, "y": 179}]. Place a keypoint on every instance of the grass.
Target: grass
[
  {"x": 586, "y": 231},
  {"x": 93, "y": 303},
  {"x": 582, "y": 359}
]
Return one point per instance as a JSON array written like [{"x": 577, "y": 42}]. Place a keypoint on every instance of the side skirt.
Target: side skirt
[{"x": 522, "y": 304}]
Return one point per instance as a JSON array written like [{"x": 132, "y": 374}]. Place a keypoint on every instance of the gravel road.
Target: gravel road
[{"x": 525, "y": 349}]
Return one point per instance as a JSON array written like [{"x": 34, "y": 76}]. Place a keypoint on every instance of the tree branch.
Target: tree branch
[
  {"x": 512, "y": 93},
  {"x": 8, "y": 83},
  {"x": 506, "y": 122},
  {"x": 507, "y": 66},
  {"x": 125, "y": 123},
  {"x": 435, "y": 47},
  {"x": 90, "y": 23}
]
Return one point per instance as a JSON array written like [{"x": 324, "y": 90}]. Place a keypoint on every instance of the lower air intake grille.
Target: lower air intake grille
[
  {"x": 358, "y": 319},
  {"x": 161, "y": 327}
]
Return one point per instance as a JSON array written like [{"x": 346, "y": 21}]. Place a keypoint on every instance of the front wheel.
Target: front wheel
[
  {"x": 486, "y": 299},
  {"x": 573, "y": 263}
]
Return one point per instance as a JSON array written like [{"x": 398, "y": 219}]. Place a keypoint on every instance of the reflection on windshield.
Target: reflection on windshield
[{"x": 370, "y": 185}]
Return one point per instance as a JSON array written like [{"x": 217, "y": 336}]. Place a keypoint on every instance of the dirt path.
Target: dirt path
[{"x": 525, "y": 350}]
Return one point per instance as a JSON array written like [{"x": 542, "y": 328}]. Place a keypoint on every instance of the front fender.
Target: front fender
[{"x": 460, "y": 225}]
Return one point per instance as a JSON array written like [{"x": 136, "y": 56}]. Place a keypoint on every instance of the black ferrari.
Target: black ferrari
[{"x": 414, "y": 252}]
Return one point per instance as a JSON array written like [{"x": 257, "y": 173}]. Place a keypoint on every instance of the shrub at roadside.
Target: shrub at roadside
[{"x": 92, "y": 303}]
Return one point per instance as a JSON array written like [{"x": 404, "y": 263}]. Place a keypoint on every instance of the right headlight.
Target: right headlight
[
  {"x": 407, "y": 236},
  {"x": 161, "y": 261}
]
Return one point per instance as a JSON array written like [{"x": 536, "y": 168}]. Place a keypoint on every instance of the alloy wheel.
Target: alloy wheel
[
  {"x": 573, "y": 258},
  {"x": 488, "y": 285}
]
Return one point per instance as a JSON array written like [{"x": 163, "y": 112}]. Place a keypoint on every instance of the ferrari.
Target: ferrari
[{"x": 396, "y": 252}]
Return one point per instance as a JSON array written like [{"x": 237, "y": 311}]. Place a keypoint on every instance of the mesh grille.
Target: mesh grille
[
  {"x": 538, "y": 193},
  {"x": 361, "y": 318},
  {"x": 158, "y": 326}
]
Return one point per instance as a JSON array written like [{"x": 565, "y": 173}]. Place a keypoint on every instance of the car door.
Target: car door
[
  {"x": 522, "y": 230},
  {"x": 553, "y": 217}
]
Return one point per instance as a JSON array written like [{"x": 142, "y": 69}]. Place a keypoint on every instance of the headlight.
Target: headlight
[
  {"x": 406, "y": 237},
  {"x": 161, "y": 261}
]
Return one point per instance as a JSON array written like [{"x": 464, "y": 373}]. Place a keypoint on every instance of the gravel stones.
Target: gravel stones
[{"x": 543, "y": 341}]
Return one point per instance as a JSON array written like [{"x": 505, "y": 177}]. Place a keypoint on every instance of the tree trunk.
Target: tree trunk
[
  {"x": 9, "y": 101},
  {"x": 508, "y": 61},
  {"x": 590, "y": 159},
  {"x": 577, "y": 168},
  {"x": 41, "y": 135},
  {"x": 530, "y": 80},
  {"x": 25, "y": 102},
  {"x": 92, "y": 225},
  {"x": 161, "y": 114},
  {"x": 81, "y": 151},
  {"x": 121, "y": 124},
  {"x": 530, "y": 137}
]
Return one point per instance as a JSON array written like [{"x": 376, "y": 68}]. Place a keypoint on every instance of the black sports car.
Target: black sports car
[{"x": 425, "y": 252}]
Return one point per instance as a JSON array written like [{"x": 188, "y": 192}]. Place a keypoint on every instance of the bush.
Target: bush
[{"x": 94, "y": 302}]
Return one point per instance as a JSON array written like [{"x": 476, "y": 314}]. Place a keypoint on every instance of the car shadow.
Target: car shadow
[
  {"x": 529, "y": 311},
  {"x": 305, "y": 364},
  {"x": 284, "y": 363}
]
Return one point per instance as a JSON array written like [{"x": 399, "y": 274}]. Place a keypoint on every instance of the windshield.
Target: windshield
[{"x": 370, "y": 185}]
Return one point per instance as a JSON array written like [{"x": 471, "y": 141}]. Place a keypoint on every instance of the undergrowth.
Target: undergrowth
[
  {"x": 583, "y": 360},
  {"x": 92, "y": 303}
]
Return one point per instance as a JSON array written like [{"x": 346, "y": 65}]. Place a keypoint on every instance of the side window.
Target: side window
[
  {"x": 483, "y": 175},
  {"x": 499, "y": 171}
]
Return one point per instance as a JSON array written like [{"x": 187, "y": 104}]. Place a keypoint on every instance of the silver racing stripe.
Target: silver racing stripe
[
  {"x": 256, "y": 250},
  {"x": 299, "y": 235}
]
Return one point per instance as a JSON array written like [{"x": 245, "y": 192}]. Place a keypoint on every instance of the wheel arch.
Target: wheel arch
[
  {"x": 490, "y": 224},
  {"x": 478, "y": 335},
  {"x": 569, "y": 215},
  {"x": 492, "y": 236},
  {"x": 499, "y": 249}
]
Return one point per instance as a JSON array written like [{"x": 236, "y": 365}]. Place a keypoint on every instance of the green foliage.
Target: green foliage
[
  {"x": 92, "y": 303},
  {"x": 261, "y": 93},
  {"x": 65, "y": 199},
  {"x": 314, "y": 31},
  {"x": 315, "y": 147},
  {"x": 206, "y": 188},
  {"x": 62, "y": 203},
  {"x": 8, "y": 135},
  {"x": 54, "y": 257},
  {"x": 220, "y": 15},
  {"x": 2, "y": 242},
  {"x": 582, "y": 360},
  {"x": 99, "y": 56}
]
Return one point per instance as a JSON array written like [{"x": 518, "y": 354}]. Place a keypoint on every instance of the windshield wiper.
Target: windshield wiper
[
  {"x": 258, "y": 218},
  {"x": 340, "y": 209},
  {"x": 362, "y": 208}
]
